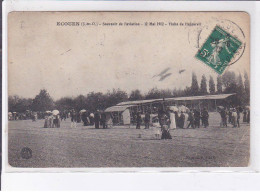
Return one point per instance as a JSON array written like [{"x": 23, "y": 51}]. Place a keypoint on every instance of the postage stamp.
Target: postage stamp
[{"x": 218, "y": 50}]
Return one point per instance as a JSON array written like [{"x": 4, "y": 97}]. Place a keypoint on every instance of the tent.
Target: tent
[{"x": 122, "y": 114}]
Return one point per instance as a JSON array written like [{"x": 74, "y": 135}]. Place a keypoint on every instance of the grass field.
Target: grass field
[{"x": 122, "y": 147}]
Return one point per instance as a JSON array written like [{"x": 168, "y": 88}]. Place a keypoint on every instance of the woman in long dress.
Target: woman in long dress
[
  {"x": 165, "y": 127},
  {"x": 172, "y": 119},
  {"x": 186, "y": 122},
  {"x": 109, "y": 120},
  {"x": 234, "y": 117},
  {"x": 46, "y": 121}
]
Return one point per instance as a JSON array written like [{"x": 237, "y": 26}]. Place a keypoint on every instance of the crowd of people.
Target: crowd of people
[
  {"x": 25, "y": 115},
  {"x": 98, "y": 119},
  {"x": 172, "y": 119},
  {"x": 52, "y": 120},
  {"x": 190, "y": 118},
  {"x": 232, "y": 116},
  {"x": 168, "y": 118}
]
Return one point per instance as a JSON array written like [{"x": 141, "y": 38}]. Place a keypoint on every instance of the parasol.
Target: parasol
[
  {"x": 220, "y": 107},
  {"x": 55, "y": 112},
  {"x": 83, "y": 110},
  {"x": 182, "y": 108},
  {"x": 173, "y": 108}
]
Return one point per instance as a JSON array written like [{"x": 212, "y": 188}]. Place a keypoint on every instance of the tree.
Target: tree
[
  {"x": 17, "y": 104},
  {"x": 42, "y": 102},
  {"x": 194, "y": 89},
  {"x": 240, "y": 84},
  {"x": 135, "y": 95},
  {"x": 240, "y": 90},
  {"x": 65, "y": 103},
  {"x": 187, "y": 91},
  {"x": 166, "y": 93},
  {"x": 229, "y": 82},
  {"x": 115, "y": 97},
  {"x": 80, "y": 102},
  {"x": 212, "y": 88},
  {"x": 247, "y": 88},
  {"x": 12, "y": 103},
  {"x": 96, "y": 101},
  {"x": 178, "y": 92},
  {"x": 203, "y": 85},
  {"x": 156, "y": 94},
  {"x": 219, "y": 85},
  {"x": 153, "y": 94}
]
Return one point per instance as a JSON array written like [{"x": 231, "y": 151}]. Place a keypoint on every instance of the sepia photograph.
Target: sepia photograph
[{"x": 128, "y": 89}]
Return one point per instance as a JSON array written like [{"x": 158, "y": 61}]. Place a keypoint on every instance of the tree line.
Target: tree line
[{"x": 229, "y": 82}]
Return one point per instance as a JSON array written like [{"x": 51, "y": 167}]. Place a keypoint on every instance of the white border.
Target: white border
[{"x": 186, "y": 177}]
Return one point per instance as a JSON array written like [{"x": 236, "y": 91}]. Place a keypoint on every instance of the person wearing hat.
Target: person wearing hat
[
  {"x": 197, "y": 118},
  {"x": 172, "y": 120},
  {"x": 84, "y": 118},
  {"x": 46, "y": 121},
  {"x": 91, "y": 119},
  {"x": 244, "y": 115},
  {"x": 238, "y": 116},
  {"x": 97, "y": 119},
  {"x": 234, "y": 117},
  {"x": 138, "y": 120},
  {"x": 73, "y": 118},
  {"x": 104, "y": 120},
  {"x": 205, "y": 117},
  {"x": 230, "y": 116},
  {"x": 165, "y": 121},
  {"x": 191, "y": 119},
  {"x": 248, "y": 116},
  {"x": 147, "y": 120},
  {"x": 182, "y": 120},
  {"x": 223, "y": 115}
]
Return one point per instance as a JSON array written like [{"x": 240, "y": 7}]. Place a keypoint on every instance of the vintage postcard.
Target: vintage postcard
[{"x": 128, "y": 89}]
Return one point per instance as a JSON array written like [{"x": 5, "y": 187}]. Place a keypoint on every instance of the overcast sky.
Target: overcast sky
[{"x": 68, "y": 61}]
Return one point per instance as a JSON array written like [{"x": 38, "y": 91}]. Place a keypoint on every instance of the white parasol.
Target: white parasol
[
  {"x": 83, "y": 110},
  {"x": 182, "y": 108},
  {"x": 173, "y": 108},
  {"x": 220, "y": 107},
  {"x": 55, "y": 112}
]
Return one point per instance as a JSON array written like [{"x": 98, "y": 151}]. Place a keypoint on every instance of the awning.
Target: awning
[
  {"x": 205, "y": 97},
  {"x": 117, "y": 108},
  {"x": 139, "y": 102}
]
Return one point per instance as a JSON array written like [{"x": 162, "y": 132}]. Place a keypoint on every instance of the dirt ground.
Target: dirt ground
[{"x": 127, "y": 147}]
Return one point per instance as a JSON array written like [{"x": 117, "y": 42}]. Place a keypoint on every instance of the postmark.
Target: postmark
[
  {"x": 219, "y": 49},
  {"x": 26, "y": 153}
]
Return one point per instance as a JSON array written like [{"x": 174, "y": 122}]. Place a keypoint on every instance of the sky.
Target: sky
[{"x": 73, "y": 60}]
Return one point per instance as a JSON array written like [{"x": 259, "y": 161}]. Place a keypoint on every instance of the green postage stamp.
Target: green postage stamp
[{"x": 218, "y": 50}]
